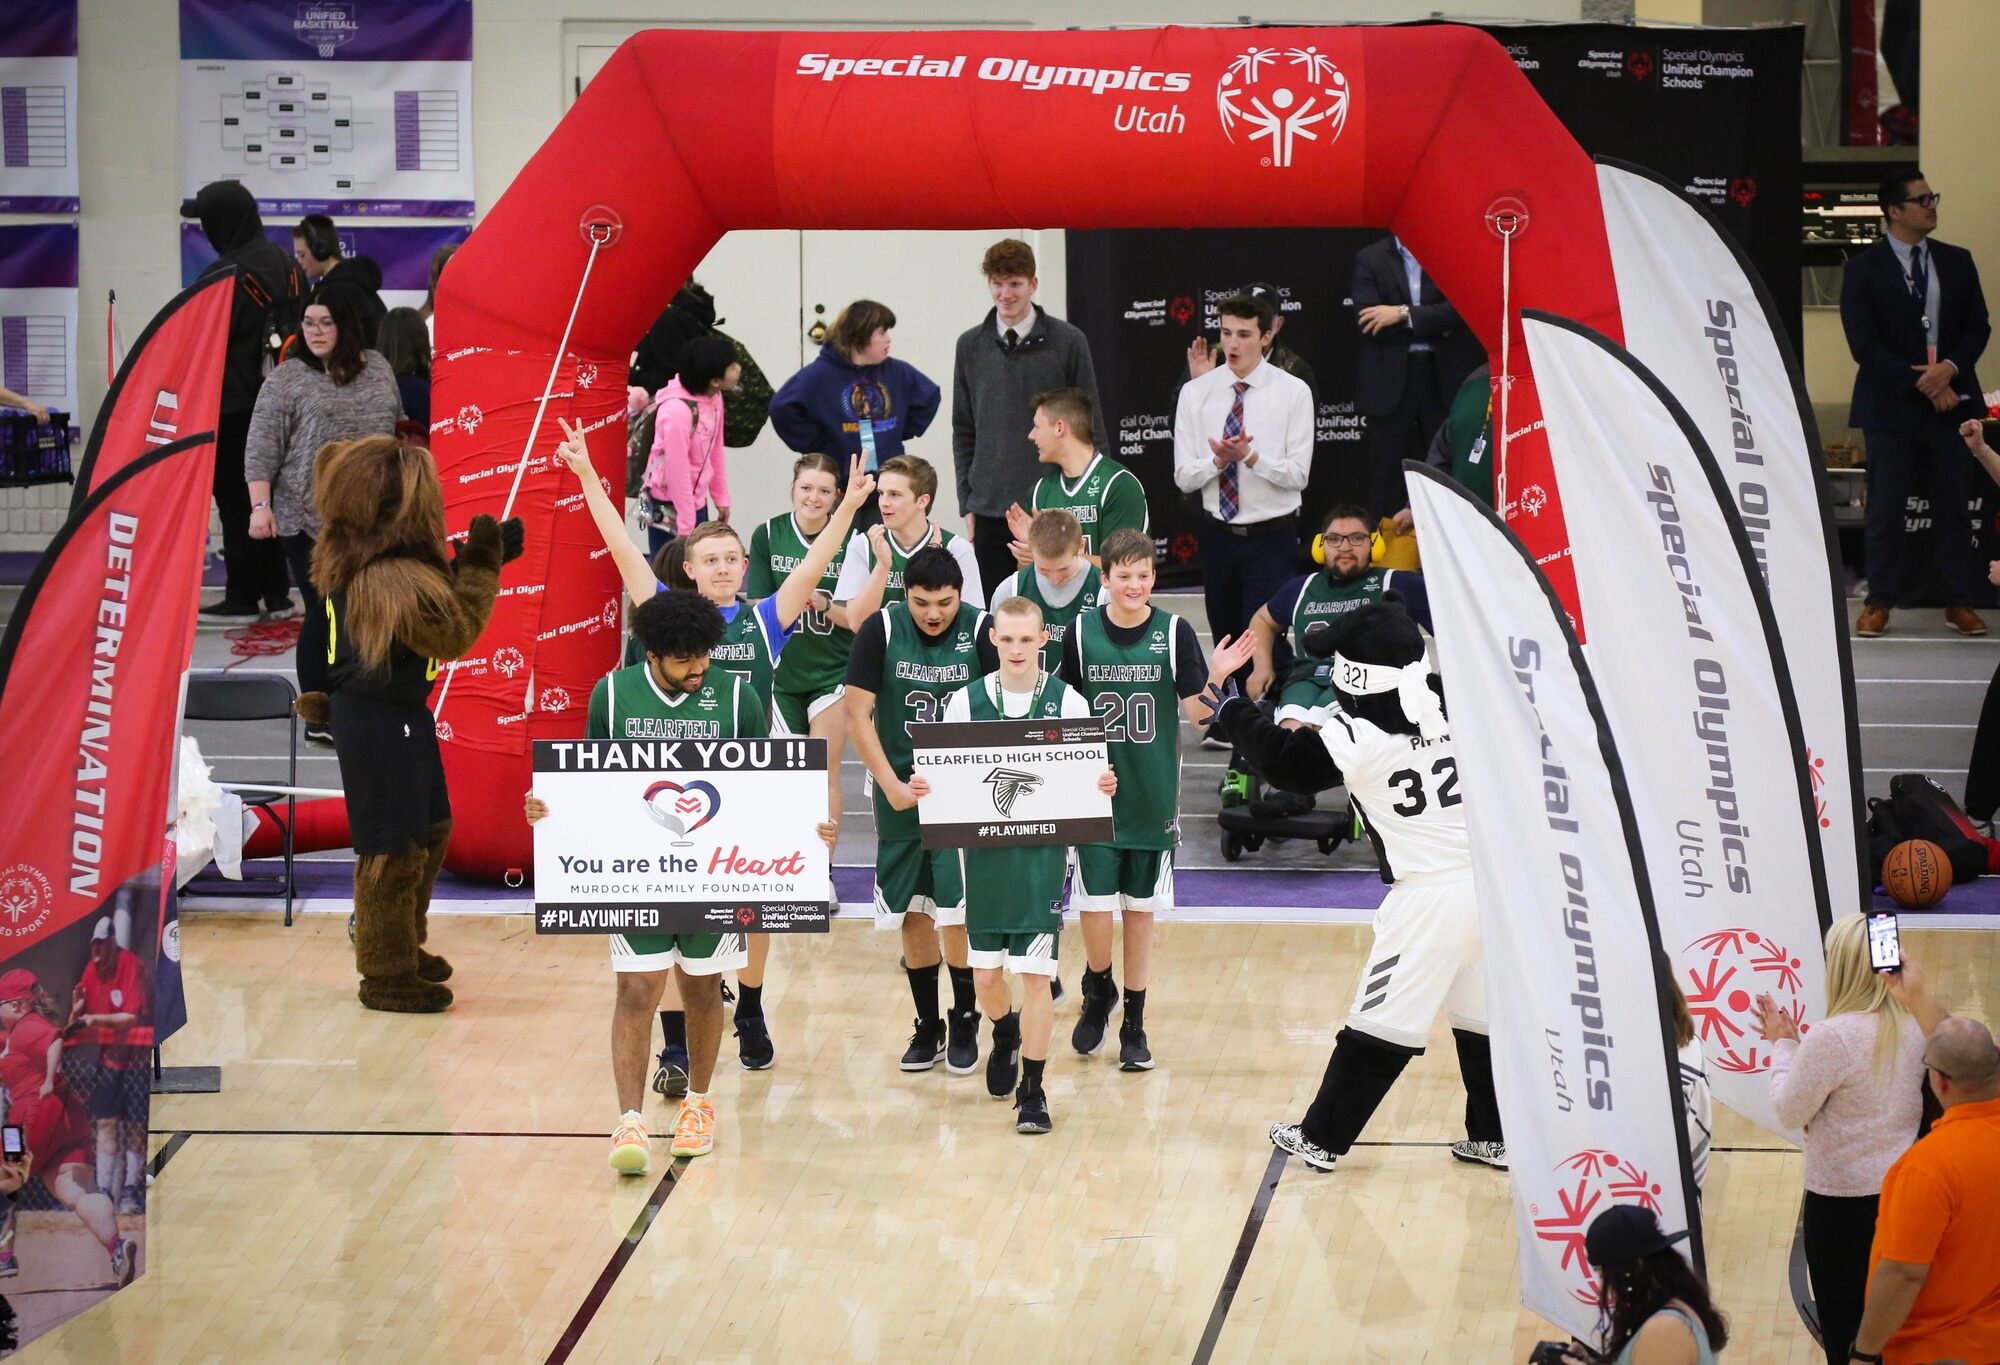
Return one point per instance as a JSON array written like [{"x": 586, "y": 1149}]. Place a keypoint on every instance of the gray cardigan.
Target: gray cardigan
[
  {"x": 992, "y": 406},
  {"x": 301, "y": 409}
]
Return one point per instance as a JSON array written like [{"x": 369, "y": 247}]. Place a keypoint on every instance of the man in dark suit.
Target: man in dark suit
[
  {"x": 1916, "y": 322},
  {"x": 1415, "y": 352}
]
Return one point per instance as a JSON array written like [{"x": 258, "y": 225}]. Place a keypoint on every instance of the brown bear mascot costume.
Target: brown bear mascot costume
[{"x": 396, "y": 608}]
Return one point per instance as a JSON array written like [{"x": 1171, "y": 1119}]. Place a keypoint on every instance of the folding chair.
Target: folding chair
[{"x": 230, "y": 697}]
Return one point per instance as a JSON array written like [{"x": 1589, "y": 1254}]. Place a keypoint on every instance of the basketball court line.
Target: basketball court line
[
  {"x": 1239, "y": 1261},
  {"x": 175, "y": 1141},
  {"x": 580, "y": 1323}
]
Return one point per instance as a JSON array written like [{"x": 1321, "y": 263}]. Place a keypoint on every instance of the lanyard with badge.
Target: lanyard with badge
[{"x": 1034, "y": 698}]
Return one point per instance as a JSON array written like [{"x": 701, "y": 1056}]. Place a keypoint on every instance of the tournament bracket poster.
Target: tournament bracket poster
[
  {"x": 330, "y": 106},
  {"x": 38, "y": 271},
  {"x": 38, "y": 164},
  {"x": 678, "y": 836},
  {"x": 404, "y": 253},
  {"x": 1715, "y": 111}
]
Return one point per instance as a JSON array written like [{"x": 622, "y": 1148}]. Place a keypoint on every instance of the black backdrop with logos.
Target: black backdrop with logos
[{"x": 1716, "y": 111}]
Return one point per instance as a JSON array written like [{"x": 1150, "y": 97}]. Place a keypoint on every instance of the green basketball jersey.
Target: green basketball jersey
[
  {"x": 745, "y": 650},
  {"x": 815, "y": 658},
  {"x": 1324, "y": 596},
  {"x": 1106, "y": 497},
  {"x": 1059, "y": 619},
  {"x": 1131, "y": 688},
  {"x": 898, "y": 557},
  {"x": 918, "y": 674},
  {"x": 1016, "y": 890},
  {"x": 628, "y": 704}
]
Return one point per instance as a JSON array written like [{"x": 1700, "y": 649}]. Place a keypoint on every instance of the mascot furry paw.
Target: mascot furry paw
[{"x": 397, "y": 609}]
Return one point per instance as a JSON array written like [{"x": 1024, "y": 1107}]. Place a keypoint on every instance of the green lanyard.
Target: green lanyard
[{"x": 1034, "y": 698}]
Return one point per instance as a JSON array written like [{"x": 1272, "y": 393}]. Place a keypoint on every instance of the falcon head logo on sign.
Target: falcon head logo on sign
[
  {"x": 1010, "y": 785},
  {"x": 682, "y": 809},
  {"x": 1301, "y": 90}
]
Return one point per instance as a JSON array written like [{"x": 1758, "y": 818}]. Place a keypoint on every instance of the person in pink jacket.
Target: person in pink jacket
[{"x": 687, "y": 466}]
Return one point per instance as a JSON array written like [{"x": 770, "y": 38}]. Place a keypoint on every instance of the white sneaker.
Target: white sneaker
[
  {"x": 1490, "y": 1153},
  {"x": 1291, "y": 1138}
]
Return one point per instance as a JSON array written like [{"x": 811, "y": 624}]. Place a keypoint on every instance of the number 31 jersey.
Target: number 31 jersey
[{"x": 1407, "y": 790}]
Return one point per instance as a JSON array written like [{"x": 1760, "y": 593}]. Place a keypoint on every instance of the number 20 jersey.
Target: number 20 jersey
[{"x": 1407, "y": 789}]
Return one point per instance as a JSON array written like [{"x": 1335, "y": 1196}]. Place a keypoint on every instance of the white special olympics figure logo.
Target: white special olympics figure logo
[
  {"x": 586, "y": 376},
  {"x": 1283, "y": 95},
  {"x": 1533, "y": 499},
  {"x": 444, "y": 731},
  {"x": 508, "y": 660},
  {"x": 25, "y": 900},
  {"x": 469, "y": 418},
  {"x": 554, "y": 699}
]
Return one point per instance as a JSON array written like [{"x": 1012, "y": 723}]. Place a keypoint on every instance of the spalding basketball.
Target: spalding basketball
[{"x": 1916, "y": 874}]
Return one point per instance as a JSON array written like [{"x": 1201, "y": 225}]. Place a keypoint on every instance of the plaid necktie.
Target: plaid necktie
[{"x": 1225, "y": 494}]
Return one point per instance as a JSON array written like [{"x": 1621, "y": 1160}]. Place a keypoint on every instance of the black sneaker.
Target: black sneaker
[
  {"x": 1292, "y": 1138},
  {"x": 1056, "y": 991},
  {"x": 926, "y": 1046},
  {"x": 1088, "y": 1035},
  {"x": 1133, "y": 1054},
  {"x": 963, "y": 1054},
  {"x": 281, "y": 611},
  {"x": 671, "y": 1079},
  {"x": 319, "y": 736},
  {"x": 1031, "y": 1111},
  {"x": 230, "y": 612},
  {"x": 1003, "y": 1063},
  {"x": 753, "y": 1043}
]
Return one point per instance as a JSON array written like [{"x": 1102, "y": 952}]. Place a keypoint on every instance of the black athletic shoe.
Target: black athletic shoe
[
  {"x": 1056, "y": 991},
  {"x": 1133, "y": 1054},
  {"x": 926, "y": 1046},
  {"x": 671, "y": 1079},
  {"x": 753, "y": 1043},
  {"x": 963, "y": 1054},
  {"x": 1031, "y": 1111},
  {"x": 319, "y": 736},
  {"x": 281, "y": 611},
  {"x": 229, "y": 613},
  {"x": 1088, "y": 1035},
  {"x": 1003, "y": 1063}
]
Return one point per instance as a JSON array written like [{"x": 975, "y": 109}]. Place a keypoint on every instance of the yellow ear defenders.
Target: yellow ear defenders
[{"x": 1319, "y": 549}]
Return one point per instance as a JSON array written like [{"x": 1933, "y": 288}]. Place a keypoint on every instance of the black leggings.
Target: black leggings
[
  {"x": 1838, "y": 1232},
  {"x": 312, "y": 630}
]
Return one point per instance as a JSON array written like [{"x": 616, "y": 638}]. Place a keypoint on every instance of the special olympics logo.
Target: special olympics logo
[
  {"x": 509, "y": 661},
  {"x": 444, "y": 732},
  {"x": 1533, "y": 499},
  {"x": 609, "y": 616},
  {"x": 1182, "y": 308},
  {"x": 1183, "y": 547},
  {"x": 1639, "y": 65},
  {"x": 25, "y": 899},
  {"x": 1742, "y": 191},
  {"x": 682, "y": 809},
  {"x": 1816, "y": 774},
  {"x": 1588, "y": 1182},
  {"x": 1721, "y": 994},
  {"x": 325, "y": 24},
  {"x": 586, "y": 375},
  {"x": 1283, "y": 95},
  {"x": 554, "y": 699},
  {"x": 746, "y": 916},
  {"x": 469, "y": 418}
]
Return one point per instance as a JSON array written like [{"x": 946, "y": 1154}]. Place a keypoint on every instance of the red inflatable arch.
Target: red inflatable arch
[{"x": 686, "y": 135}]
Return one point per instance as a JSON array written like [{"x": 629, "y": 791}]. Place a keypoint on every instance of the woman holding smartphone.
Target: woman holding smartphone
[
  {"x": 1855, "y": 1085},
  {"x": 52, "y": 1121}
]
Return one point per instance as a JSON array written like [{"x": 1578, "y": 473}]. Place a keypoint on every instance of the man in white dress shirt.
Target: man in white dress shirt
[{"x": 1243, "y": 440}]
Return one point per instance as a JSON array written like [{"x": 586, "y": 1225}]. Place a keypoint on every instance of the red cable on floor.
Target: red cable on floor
[{"x": 261, "y": 640}]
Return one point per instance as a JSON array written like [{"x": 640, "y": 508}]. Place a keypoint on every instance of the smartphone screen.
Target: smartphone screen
[
  {"x": 10, "y": 1142},
  {"x": 1885, "y": 946}
]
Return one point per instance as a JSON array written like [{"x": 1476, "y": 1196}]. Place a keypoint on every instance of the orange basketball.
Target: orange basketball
[{"x": 1916, "y": 874}]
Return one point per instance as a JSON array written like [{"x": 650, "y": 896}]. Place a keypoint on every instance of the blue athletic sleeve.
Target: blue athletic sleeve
[
  {"x": 767, "y": 616},
  {"x": 1286, "y": 600},
  {"x": 1416, "y": 598}
]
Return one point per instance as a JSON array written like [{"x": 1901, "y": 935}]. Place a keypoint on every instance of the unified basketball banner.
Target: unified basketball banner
[
  {"x": 1012, "y": 782},
  {"x": 1696, "y": 313},
  {"x": 38, "y": 314},
  {"x": 681, "y": 836},
  {"x": 330, "y": 106},
  {"x": 1693, "y": 676},
  {"x": 38, "y": 160},
  {"x": 1584, "y": 1060}
]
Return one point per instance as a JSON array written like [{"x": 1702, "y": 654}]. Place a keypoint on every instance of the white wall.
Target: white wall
[{"x": 129, "y": 132}]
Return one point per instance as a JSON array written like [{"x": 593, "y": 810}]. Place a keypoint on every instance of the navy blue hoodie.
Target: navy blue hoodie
[{"x": 819, "y": 408}]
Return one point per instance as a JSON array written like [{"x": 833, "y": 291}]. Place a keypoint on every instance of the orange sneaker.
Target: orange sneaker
[
  {"x": 694, "y": 1128},
  {"x": 631, "y": 1145}
]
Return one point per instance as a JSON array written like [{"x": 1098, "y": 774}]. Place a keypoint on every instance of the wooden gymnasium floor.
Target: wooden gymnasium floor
[{"x": 370, "y": 1187}]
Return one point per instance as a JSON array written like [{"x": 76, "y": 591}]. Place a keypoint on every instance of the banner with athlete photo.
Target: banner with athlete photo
[
  {"x": 679, "y": 836},
  {"x": 1685, "y": 646},
  {"x": 1584, "y": 1062},
  {"x": 1697, "y": 314},
  {"x": 1012, "y": 782},
  {"x": 38, "y": 161},
  {"x": 333, "y": 106}
]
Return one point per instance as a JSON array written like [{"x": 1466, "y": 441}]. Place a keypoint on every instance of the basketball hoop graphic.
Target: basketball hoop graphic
[{"x": 325, "y": 24}]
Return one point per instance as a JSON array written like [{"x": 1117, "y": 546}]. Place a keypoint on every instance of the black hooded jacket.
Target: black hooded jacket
[
  {"x": 658, "y": 359},
  {"x": 268, "y": 285},
  {"x": 361, "y": 275}
]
